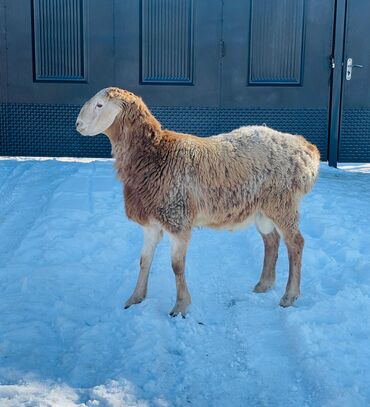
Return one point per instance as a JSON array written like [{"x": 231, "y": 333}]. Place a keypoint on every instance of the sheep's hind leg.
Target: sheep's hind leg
[
  {"x": 295, "y": 242},
  {"x": 152, "y": 236},
  {"x": 271, "y": 242},
  {"x": 179, "y": 245},
  {"x": 287, "y": 221}
]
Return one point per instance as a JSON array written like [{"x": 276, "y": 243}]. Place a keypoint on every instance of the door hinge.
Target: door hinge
[{"x": 222, "y": 48}]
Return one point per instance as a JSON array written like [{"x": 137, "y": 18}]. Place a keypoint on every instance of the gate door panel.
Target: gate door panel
[
  {"x": 167, "y": 50},
  {"x": 59, "y": 53},
  {"x": 276, "y": 65},
  {"x": 354, "y": 140}
]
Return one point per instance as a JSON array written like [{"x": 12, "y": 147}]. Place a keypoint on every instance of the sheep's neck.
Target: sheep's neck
[{"x": 133, "y": 146}]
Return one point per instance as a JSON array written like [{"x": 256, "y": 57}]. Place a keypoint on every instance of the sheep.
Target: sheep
[{"x": 174, "y": 182}]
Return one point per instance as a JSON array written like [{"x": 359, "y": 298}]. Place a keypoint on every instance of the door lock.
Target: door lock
[{"x": 351, "y": 65}]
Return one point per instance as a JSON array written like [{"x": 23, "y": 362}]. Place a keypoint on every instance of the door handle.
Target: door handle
[{"x": 349, "y": 67}]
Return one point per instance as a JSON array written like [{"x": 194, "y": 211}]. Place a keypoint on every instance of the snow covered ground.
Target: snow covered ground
[{"x": 69, "y": 259}]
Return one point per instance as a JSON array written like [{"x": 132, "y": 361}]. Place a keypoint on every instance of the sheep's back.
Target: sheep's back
[
  {"x": 284, "y": 161},
  {"x": 240, "y": 167}
]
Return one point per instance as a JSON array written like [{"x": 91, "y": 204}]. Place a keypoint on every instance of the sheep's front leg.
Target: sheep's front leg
[
  {"x": 271, "y": 242},
  {"x": 179, "y": 245},
  {"x": 152, "y": 236}
]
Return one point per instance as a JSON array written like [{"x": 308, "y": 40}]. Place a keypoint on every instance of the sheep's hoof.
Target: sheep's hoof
[
  {"x": 132, "y": 301},
  {"x": 287, "y": 300},
  {"x": 263, "y": 286},
  {"x": 179, "y": 308}
]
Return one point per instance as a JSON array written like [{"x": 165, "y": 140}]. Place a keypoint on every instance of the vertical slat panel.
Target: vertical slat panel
[
  {"x": 59, "y": 40},
  {"x": 167, "y": 41},
  {"x": 276, "y": 42}
]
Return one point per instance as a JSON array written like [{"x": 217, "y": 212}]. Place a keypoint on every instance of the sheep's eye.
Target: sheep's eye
[{"x": 99, "y": 105}]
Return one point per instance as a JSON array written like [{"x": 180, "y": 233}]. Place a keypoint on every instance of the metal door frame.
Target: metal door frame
[
  {"x": 336, "y": 99},
  {"x": 3, "y": 55}
]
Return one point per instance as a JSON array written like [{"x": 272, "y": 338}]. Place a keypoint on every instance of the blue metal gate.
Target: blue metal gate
[{"x": 203, "y": 67}]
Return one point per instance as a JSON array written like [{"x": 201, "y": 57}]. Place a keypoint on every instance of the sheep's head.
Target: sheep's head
[{"x": 99, "y": 113}]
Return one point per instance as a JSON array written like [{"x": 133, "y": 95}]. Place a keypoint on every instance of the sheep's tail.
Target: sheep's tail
[{"x": 314, "y": 167}]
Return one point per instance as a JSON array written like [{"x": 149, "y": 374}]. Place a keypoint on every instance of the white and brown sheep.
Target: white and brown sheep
[{"x": 174, "y": 182}]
